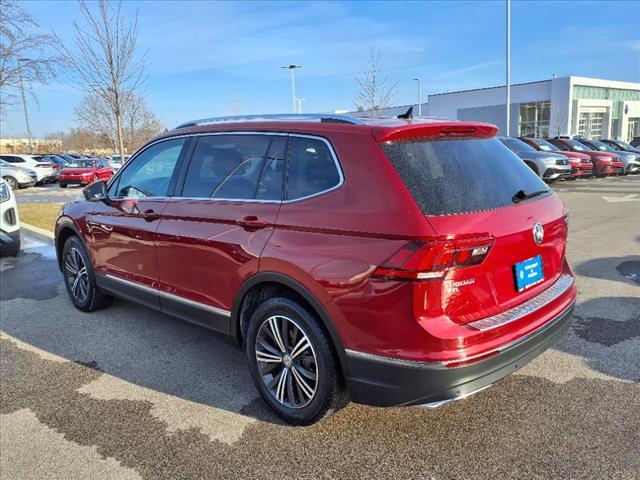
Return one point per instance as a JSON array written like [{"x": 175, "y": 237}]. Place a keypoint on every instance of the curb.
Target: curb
[{"x": 38, "y": 232}]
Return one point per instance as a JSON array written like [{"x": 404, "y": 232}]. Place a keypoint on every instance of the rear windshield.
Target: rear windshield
[{"x": 459, "y": 176}]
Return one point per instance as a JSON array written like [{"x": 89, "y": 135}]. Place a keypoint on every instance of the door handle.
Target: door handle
[
  {"x": 251, "y": 222},
  {"x": 150, "y": 215}
]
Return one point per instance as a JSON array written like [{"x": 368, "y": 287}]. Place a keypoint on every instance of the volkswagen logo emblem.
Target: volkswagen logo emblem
[{"x": 538, "y": 233}]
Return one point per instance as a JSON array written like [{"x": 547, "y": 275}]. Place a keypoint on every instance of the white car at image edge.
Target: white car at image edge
[
  {"x": 44, "y": 170},
  {"x": 9, "y": 221}
]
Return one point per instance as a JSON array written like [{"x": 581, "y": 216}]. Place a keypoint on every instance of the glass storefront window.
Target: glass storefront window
[{"x": 534, "y": 119}]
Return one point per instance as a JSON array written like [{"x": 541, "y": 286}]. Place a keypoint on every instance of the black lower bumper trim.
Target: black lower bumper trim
[
  {"x": 385, "y": 383},
  {"x": 9, "y": 242}
]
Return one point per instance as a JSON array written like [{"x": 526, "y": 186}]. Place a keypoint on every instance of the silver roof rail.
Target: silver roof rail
[{"x": 291, "y": 117}]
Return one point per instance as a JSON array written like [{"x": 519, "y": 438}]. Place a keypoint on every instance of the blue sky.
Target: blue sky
[{"x": 201, "y": 54}]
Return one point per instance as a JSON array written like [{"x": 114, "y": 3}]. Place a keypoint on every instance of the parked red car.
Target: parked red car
[
  {"x": 581, "y": 164},
  {"x": 84, "y": 171},
  {"x": 604, "y": 163},
  {"x": 387, "y": 261}
]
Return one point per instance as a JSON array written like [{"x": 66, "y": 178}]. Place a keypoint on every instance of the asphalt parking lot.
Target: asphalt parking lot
[{"x": 130, "y": 393}]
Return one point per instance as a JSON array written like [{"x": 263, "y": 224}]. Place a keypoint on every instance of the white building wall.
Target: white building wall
[
  {"x": 561, "y": 115},
  {"x": 447, "y": 104},
  {"x": 488, "y": 104}
]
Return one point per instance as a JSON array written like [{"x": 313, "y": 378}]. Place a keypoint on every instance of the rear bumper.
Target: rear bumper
[{"x": 386, "y": 382}]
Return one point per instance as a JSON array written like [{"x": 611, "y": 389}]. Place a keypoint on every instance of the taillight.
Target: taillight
[{"x": 428, "y": 260}]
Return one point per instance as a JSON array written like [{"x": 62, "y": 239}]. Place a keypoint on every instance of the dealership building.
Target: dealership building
[{"x": 591, "y": 107}]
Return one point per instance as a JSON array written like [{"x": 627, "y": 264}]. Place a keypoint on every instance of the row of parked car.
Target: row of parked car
[
  {"x": 570, "y": 158},
  {"x": 27, "y": 170}
]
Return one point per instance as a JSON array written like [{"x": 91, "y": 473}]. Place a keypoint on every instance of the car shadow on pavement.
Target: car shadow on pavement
[
  {"x": 141, "y": 346},
  {"x": 606, "y": 332},
  {"x": 619, "y": 269}
]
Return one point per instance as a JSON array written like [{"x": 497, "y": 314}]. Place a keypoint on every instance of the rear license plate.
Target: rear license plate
[{"x": 528, "y": 273}]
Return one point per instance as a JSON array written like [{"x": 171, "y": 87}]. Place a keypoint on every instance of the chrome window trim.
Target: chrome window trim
[
  {"x": 254, "y": 200},
  {"x": 170, "y": 296}
]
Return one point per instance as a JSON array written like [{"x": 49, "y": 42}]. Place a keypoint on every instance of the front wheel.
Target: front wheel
[
  {"x": 293, "y": 363},
  {"x": 12, "y": 182},
  {"x": 80, "y": 278}
]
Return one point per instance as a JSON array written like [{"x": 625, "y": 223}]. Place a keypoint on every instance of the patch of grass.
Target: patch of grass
[{"x": 41, "y": 215}]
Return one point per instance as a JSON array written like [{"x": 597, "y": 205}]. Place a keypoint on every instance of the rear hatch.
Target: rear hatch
[{"x": 476, "y": 191}]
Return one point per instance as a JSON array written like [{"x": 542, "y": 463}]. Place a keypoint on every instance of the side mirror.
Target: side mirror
[{"x": 96, "y": 192}]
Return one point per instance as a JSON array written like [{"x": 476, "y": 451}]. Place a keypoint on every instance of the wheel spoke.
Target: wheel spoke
[
  {"x": 268, "y": 357},
  {"x": 70, "y": 268},
  {"x": 275, "y": 331},
  {"x": 282, "y": 385},
  {"x": 300, "y": 347},
  {"x": 306, "y": 373},
  {"x": 302, "y": 384}
]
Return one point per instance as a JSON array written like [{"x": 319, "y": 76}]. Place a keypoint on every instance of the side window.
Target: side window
[
  {"x": 236, "y": 167},
  {"x": 311, "y": 168},
  {"x": 150, "y": 173},
  {"x": 12, "y": 159}
]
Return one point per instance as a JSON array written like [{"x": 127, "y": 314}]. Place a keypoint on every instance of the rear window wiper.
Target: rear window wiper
[{"x": 522, "y": 195}]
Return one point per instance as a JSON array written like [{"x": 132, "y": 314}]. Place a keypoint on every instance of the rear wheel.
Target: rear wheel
[
  {"x": 292, "y": 362},
  {"x": 80, "y": 278},
  {"x": 63, "y": 185},
  {"x": 12, "y": 182}
]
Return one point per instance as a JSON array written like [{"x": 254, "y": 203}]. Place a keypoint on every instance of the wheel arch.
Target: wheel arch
[
  {"x": 65, "y": 228},
  {"x": 263, "y": 284}
]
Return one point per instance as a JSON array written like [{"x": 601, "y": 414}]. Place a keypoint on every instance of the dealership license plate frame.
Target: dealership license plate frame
[{"x": 528, "y": 273}]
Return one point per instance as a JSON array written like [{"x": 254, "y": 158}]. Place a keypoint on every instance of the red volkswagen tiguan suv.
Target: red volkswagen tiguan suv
[{"x": 384, "y": 261}]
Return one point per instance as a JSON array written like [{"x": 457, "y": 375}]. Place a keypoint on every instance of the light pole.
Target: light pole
[
  {"x": 299, "y": 102},
  {"x": 508, "y": 100},
  {"x": 292, "y": 67},
  {"x": 419, "y": 96},
  {"x": 24, "y": 100}
]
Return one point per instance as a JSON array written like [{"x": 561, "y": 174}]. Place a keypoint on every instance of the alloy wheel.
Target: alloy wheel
[
  {"x": 286, "y": 361},
  {"x": 76, "y": 275}
]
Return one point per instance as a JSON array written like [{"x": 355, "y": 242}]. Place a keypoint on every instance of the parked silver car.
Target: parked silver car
[
  {"x": 549, "y": 166},
  {"x": 17, "y": 177}
]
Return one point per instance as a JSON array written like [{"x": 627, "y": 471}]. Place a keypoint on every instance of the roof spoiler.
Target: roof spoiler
[{"x": 441, "y": 130}]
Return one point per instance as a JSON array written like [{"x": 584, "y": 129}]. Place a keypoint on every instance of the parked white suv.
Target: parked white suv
[
  {"x": 116, "y": 162},
  {"x": 44, "y": 170},
  {"x": 9, "y": 221}
]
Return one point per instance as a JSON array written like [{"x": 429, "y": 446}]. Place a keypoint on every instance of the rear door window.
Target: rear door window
[
  {"x": 236, "y": 167},
  {"x": 459, "y": 176},
  {"x": 311, "y": 168}
]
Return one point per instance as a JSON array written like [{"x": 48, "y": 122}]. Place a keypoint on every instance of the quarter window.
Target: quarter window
[
  {"x": 236, "y": 167},
  {"x": 149, "y": 174},
  {"x": 311, "y": 168}
]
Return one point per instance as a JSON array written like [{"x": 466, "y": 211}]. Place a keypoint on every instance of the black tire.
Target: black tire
[
  {"x": 13, "y": 183},
  {"x": 329, "y": 395},
  {"x": 63, "y": 185},
  {"x": 83, "y": 291}
]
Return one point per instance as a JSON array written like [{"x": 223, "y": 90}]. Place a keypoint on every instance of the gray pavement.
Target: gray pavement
[
  {"x": 49, "y": 193},
  {"x": 130, "y": 393}
]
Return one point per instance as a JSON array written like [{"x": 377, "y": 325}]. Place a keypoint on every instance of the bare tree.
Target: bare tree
[
  {"x": 27, "y": 55},
  {"x": 560, "y": 123},
  {"x": 375, "y": 91},
  {"x": 138, "y": 123},
  {"x": 104, "y": 62}
]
